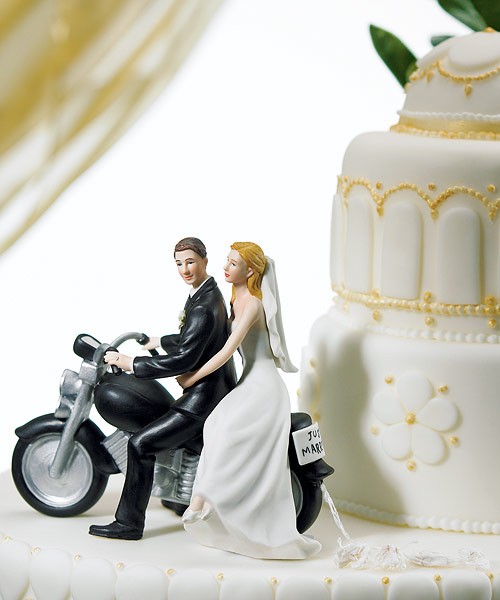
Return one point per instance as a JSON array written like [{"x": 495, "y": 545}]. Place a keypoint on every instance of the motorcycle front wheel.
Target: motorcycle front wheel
[{"x": 74, "y": 492}]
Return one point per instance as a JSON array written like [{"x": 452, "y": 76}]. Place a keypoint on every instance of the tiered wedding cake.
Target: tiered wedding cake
[{"x": 404, "y": 371}]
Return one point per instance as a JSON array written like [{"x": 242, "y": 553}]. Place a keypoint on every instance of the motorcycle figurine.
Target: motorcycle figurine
[{"x": 62, "y": 461}]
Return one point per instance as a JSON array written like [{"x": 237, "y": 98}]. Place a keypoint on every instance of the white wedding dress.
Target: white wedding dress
[{"x": 243, "y": 471}]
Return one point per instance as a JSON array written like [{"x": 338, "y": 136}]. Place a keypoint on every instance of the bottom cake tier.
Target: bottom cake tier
[
  {"x": 410, "y": 424},
  {"x": 46, "y": 558}
]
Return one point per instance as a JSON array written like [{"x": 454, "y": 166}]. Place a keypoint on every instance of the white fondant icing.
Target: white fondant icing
[
  {"x": 337, "y": 232},
  {"x": 388, "y": 408},
  {"x": 466, "y": 585},
  {"x": 300, "y": 587},
  {"x": 245, "y": 587},
  {"x": 15, "y": 559},
  {"x": 358, "y": 586},
  {"x": 370, "y": 478},
  {"x": 396, "y": 441},
  {"x": 359, "y": 245},
  {"x": 401, "y": 251},
  {"x": 426, "y": 444},
  {"x": 141, "y": 581},
  {"x": 474, "y": 53},
  {"x": 458, "y": 257},
  {"x": 415, "y": 390},
  {"x": 413, "y": 587},
  {"x": 439, "y": 414},
  {"x": 50, "y": 574},
  {"x": 193, "y": 584},
  {"x": 93, "y": 579}
]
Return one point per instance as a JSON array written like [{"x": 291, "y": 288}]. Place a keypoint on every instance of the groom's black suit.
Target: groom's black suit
[{"x": 141, "y": 405}]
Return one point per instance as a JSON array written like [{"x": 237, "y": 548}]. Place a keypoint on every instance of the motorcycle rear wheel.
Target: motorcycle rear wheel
[{"x": 74, "y": 492}]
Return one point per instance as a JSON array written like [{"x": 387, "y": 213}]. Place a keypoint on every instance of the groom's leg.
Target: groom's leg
[{"x": 169, "y": 431}]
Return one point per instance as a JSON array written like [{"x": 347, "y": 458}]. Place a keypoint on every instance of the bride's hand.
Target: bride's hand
[{"x": 186, "y": 380}]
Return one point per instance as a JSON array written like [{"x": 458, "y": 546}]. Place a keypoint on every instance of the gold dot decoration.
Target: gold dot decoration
[
  {"x": 443, "y": 389},
  {"x": 78, "y": 557},
  {"x": 386, "y": 580},
  {"x": 374, "y": 430},
  {"x": 468, "y": 89},
  {"x": 389, "y": 379},
  {"x": 430, "y": 321},
  {"x": 411, "y": 465},
  {"x": 427, "y": 297},
  {"x": 299, "y": 393},
  {"x": 274, "y": 581},
  {"x": 376, "y": 293},
  {"x": 379, "y": 185},
  {"x": 431, "y": 186},
  {"x": 410, "y": 418},
  {"x": 437, "y": 578},
  {"x": 35, "y": 550},
  {"x": 170, "y": 572},
  {"x": 220, "y": 576},
  {"x": 120, "y": 566},
  {"x": 312, "y": 363},
  {"x": 491, "y": 575},
  {"x": 377, "y": 316},
  {"x": 491, "y": 188},
  {"x": 328, "y": 580},
  {"x": 492, "y": 323},
  {"x": 454, "y": 441},
  {"x": 490, "y": 300}
]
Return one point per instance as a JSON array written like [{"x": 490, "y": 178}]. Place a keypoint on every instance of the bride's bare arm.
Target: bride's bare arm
[{"x": 248, "y": 317}]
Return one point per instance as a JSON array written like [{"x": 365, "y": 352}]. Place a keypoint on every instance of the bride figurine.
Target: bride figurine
[{"x": 242, "y": 496}]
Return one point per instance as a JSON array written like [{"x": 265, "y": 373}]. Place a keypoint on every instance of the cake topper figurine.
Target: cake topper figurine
[
  {"x": 62, "y": 461},
  {"x": 138, "y": 404},
  {"x": 242, "y": 496}
]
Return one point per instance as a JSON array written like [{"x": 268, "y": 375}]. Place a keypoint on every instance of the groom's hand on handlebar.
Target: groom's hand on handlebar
[{"x": 122, "y": 361}]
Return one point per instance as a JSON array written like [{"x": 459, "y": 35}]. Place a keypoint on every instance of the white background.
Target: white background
[{"x": 245, "y": 144}]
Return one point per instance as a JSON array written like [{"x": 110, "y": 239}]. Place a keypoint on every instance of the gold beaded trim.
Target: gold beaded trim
[
  {"x": 452, "y": 130},
  {"x": 490, "y": 307},
  {"x": 346, "y": 184},
  {"x": 465, "y": 80}
]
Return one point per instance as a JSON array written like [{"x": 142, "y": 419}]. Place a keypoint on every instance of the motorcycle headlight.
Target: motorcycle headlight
[{"x": 70, "y": 383}]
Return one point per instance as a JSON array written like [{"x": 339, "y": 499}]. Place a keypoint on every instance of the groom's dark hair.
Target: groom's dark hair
[{"x": 191, "y": 243}]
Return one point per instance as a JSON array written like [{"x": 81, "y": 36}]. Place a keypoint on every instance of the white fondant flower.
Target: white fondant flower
[
  {"x": 415, "y": 419},
  {"x": 182, "y": 319}
]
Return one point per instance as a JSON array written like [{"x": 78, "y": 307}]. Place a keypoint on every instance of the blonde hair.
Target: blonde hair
[{"x": 255, "y": 258}]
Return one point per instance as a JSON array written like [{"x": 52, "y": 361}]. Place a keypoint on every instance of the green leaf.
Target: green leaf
[
  {"x": 394, "y": 53},
  {"x": 466, "y": 12},
  {"x": 438, "y": 39},
  {"x": 490, "y": 12}
]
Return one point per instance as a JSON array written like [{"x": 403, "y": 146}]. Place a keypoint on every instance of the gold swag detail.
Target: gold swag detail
[{"x": 75, "y": 75}]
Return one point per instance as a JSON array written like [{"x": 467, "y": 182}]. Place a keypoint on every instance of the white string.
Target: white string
[
  {"x": 336, "y": 517},
  {"x": 390, "y": 557}
]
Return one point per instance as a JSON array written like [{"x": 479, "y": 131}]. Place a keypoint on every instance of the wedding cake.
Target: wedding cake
[
  {"x": 404, "y": 371},
  {"x": 402, "y": 374}
]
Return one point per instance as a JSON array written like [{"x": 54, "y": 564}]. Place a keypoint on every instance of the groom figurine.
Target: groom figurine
[{"x": 139, "y": 404}]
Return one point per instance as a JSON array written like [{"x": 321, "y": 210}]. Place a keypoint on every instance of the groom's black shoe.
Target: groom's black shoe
[{"x": 117, "y": 531}]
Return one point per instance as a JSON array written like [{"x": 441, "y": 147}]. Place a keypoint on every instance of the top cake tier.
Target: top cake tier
[{"x": 456, "y": 89}]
